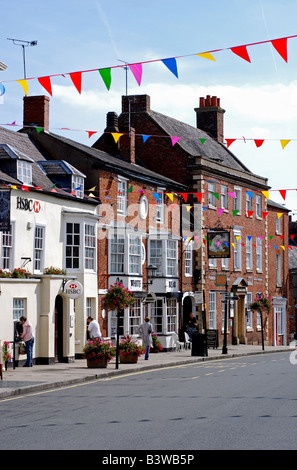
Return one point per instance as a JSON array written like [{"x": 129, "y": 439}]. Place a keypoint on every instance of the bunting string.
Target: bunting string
[{"x": 279, "y": 44}]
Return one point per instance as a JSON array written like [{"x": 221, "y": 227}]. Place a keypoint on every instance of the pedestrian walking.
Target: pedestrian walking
[
  {"x": 93, "y": 328},
  {"x": 145, "y": 330},
  {"x": 28, "y": 338}
]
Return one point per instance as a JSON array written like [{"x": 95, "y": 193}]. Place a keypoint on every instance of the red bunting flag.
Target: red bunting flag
[
  {"x": 249, "y": 213},
  {"x": 46, "y": 83},
  {"x": 185, "y": 196},
  {"x": 199, "y": 196},
  {"x": 258, "y": 142},
  {"x": 292, "y": 236},
  {"x": 280, "y": 45},
  {"x": 264, "y": 215},
  {"x": 76, "y": 79},
  {"x": 283, "y": 193},
  {"x": 229, "y": 142},
  {"x": 242, "y": 52}
]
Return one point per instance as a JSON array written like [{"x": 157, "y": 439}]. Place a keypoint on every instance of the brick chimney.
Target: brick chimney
[
  {"x": 36, "y": 111},
  {"x": 127, "y": 146},
  {"x": 210, "y": 117},
  {"x": 138, "y": 103}
]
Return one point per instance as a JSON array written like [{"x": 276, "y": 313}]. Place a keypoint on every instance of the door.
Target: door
[{"x": 59, "y": 329}]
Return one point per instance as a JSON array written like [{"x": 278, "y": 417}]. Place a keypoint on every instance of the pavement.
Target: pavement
[{"x": 26, "y": 380}]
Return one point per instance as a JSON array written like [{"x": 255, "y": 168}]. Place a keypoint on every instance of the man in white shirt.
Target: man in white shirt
[{"x": 93, "y": 328}]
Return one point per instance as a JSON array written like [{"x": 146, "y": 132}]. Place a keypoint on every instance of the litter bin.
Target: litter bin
[{"x": 199, "y": 344}]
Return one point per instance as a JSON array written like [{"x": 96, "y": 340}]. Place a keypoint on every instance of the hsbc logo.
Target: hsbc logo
[
  {"x": 73, "y": 289},
  {"x": 72, "y": 286},
  {"x": 25, "y": 204}
]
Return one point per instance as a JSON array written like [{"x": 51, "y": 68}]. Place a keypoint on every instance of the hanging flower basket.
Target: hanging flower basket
[
  {"x": 118, "y": 297},
  {"x": 157, "y": 346},
  {"x": 130, "y": 351},
  {"x": 261, "y": 305}
]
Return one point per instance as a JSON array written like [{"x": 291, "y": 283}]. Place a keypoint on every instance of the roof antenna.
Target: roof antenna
[
  {"x": 20, "y": 42},
  {"x": 126, "y": 69}
]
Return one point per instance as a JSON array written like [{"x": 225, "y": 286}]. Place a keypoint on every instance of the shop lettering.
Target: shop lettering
[{"x": 25, "y": 204}]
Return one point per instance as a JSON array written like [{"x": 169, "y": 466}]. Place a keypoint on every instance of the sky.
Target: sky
[{"x": 260, "y": 97}]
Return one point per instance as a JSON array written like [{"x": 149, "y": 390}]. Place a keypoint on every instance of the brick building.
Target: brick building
[{"x": 222, "y": 194}]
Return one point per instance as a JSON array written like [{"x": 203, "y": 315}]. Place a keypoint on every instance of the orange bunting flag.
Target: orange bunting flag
[
  {"x": 258, "y": 142},
  {"x": 46, "y": 83},
  {"x": 242, "y": 52},
  {"x": 280, "y": 45},
  {"x": 76, "y": 79}
]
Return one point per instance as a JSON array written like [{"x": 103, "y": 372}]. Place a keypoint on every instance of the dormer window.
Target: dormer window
[
  {"x": 24, "y": 172},
  {"x": 77, "y": 185}
]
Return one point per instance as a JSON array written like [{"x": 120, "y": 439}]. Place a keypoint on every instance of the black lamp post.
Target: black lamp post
[{"x": 151, "y": 273}]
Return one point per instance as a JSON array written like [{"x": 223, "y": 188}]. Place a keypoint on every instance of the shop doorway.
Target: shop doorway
[{"x": 59, "y": 329}]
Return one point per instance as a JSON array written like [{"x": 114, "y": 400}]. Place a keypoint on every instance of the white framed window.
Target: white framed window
[
  {"x": 171, "y": 258},
  {"x": 77, "y": 185},
  {"x": 212, "y": 200},
  {"x": 72, "y": 245},
  {"x": 212, "y": 263},
  {"x": 237, "y": 199},
  {"x": 117, "y": 254},
  {"x": 122, "y": 197},
  {"x": 258, "y": 205},
  {"x": 188, "y": 259},
  {"x": 38, "y": 261},
  {"x": 248, "y": 202},
  {"x": 249, "y": 313},
  {"x": 6, "y": 249},
  {"x": 224, "y": 196},
  {"x": 237, "y": 250},
  {"x": 160, "y": 216},
  {"x": 212, "y": 310},
  {"x": 156, "y": 315},
  {"x": 156, "y": 255},
  {"x": 89, "y": 307},
  {"x": 259, "y": 253},
  {"x": 278, "y": 270},
  {"x": 18, "y": 308},
  {"x": 135, "y": 317},
  {"x": 134, "y": 254},
  {"x": 225, "y": 263},
  {"x": 90, "y": 246},
  {"x": 249, "y": 254},
  {"x": 171, "y": 315},
  {"x": 278, "y": 226},
  {"x": 24, "y": 172}
]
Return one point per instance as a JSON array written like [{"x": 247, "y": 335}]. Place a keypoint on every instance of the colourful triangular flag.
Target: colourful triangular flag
[
  {"x": 220, "y": 211},
  {"x": 116, "y": 136},
  {"x": 279, "y": 214},
  {"x": 283, "y": 193},
  {"x": 145, "y": 137},
  {"x": 202, "y": 141},
  {"x": 185, "y": 196},
  {"x": 249, "y": 213},
  {"x": 46, "y": 83},
  {"x": 232, "y": 195},
  {"x": 206, "y": 55},
  {"x": 130, "y": 189},
  {"x": 156, "y": 196},
  {"x": 229, "y": 142},
  {"x": 235, "y": 212},
  {"x": 250, "y": 193},
  {"x": 136, "y": 69},
  {"x": 106, "y": 76},
  {"x": 39, "y": 129},
  {"x": 76, "y": 80},
  {"x": 174, "y": 140},
  {"x": 216, "y": 195},
  {"x": 90, "y": 133},
  {"x": 258, "y": 142},
  {"x": 199, "y": 196},
  {"x": 242, "y": 52},
  {"x": 266, "y": 194},
  {"x": 92, "y": 189},
  {"x": 249, "y": 237},
  {"x": 189, "y": 208},
  {"x": 280, "y": 45},
  {"x": 171, "y": 65},
  {"x": 264, "y": 214},
  {"x": 24, "y": 85},
  {"x": 284, "y": 143},
  {"x": 170, "y": 195}
]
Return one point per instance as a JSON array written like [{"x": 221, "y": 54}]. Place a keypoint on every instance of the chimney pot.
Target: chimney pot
[{"x": 210, "y": 117}]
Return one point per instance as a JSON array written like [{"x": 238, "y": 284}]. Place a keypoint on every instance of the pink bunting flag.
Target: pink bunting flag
[
  {"x": 258, "y": 142},
  {"x": 220, "y": 211},
  {"x": 280, "y": 45},
  {"x": 196, "y": 238},
  {"x": 231, "y": 194},
  {"x": 76, "y": 79},
  {"x": 136, "y": 69},
  {"x": 174, "y": 140},
  {"x": 229, "y": 142},
  {"x": 283, "y": 193},
  {"x": 242, "y": 52}
]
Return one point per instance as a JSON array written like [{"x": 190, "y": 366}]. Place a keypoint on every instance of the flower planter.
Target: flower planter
[
  {"x": 97, "y": 363},
  {"x": 128, "y": 358}
]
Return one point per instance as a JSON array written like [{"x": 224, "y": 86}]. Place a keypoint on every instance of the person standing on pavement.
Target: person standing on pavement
[
  {"x": 145, "y": 330},
  {"x": 93, "y": 328},
  {"x": 28, "y": 338}
]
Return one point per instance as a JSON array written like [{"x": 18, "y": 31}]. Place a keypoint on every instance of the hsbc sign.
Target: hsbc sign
[
  {"x": 73, "y": 289},
  {"x": 25, "y": 204}
]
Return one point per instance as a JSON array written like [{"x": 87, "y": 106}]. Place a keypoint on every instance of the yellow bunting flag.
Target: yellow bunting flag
[
  {"x": 170, "y": 195},
  {"x": 283, "y": 247},
  {"x": 116, "y": 136},
  {"x": 206, "y": 55},
  {"x": 91, "y": 195},
  {"x": 92, "y": 189},
  {"x": 237, "y": 237},
  {"x": 24, "y": 85},
  {"x": 284, "y": 143},
  {"x": 189, "y": 239},
  {"x": 233, "y": 244},
  {"x": 279, "y": 214},
  {"x": 189, "y": 208},
  {"x": 13, "y": 186},
  {"x": 266, "y": 194}
]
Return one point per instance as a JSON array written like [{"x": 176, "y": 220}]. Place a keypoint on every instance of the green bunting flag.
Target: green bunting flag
[
  {"x": 235, "y": 212},
  {"x": 106, "y": 76}
]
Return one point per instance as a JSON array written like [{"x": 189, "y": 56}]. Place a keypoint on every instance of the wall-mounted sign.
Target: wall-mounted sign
[
  {"x": 73, "y": 289},
  {"x": 4, "y": 211},
  {"x": 25, "y": 204},
  {"x": 218, "y": 244}
]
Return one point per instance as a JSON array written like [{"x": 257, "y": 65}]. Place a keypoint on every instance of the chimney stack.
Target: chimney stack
[
  {"x": 210, "y": 117},
  {"x": 36, "y": 111}
]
